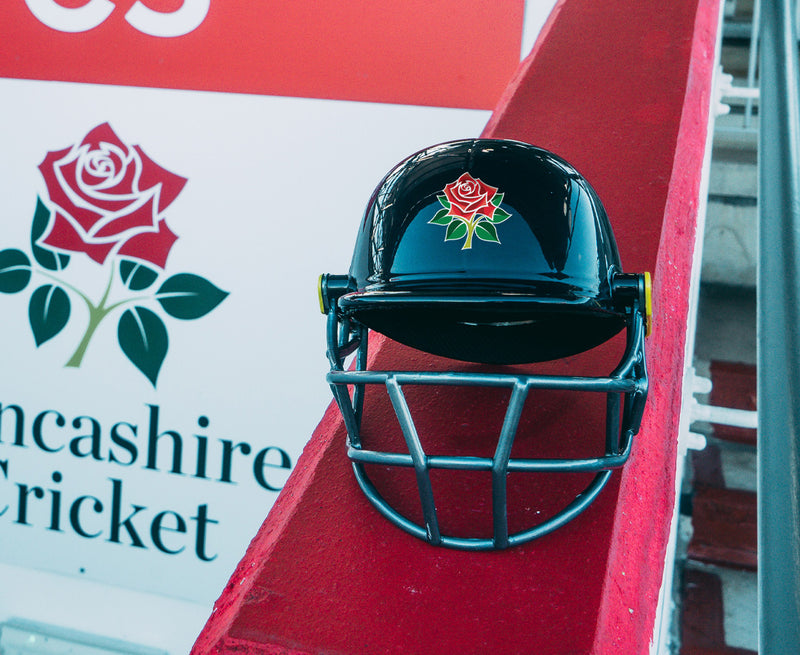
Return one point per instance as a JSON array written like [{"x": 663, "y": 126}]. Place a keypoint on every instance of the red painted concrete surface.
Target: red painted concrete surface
[
  {"x": 622, "y": 90},
  {"x": 356, "y": 50}
]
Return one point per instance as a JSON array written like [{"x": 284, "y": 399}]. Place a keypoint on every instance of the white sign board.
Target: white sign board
[
  {"x": 163, "y": 352},
  {"x": 162, "y": 443}
]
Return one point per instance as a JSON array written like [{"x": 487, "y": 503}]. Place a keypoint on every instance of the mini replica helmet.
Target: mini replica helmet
[{"x": 493, "y": 252}]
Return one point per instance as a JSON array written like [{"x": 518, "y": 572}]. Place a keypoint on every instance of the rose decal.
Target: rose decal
[
  {"x": 470, "y": 207},
  {"x": 107, "y": 200}
]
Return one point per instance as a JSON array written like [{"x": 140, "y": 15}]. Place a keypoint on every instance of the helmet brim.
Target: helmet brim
[{"x": 475, "y": 326}]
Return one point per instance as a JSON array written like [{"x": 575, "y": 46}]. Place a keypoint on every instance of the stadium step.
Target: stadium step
[
  {"x": 703, "y": 629},
  {"x": 719, "y": 579},
  {"x": 724, "y": 523}
]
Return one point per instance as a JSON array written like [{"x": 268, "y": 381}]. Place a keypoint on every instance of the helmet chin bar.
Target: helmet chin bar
[{"x": 625, "y": 388}]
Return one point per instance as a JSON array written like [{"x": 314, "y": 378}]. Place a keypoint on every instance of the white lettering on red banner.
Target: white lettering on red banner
[
  {"x": 447, "y": 53},
  {"x": 149, "y": 21}
]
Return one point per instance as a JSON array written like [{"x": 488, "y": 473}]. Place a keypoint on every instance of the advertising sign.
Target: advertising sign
[
  {"x": 158, "y": 288},
  {"x": 439, "y": 53},
  {"x": 175, "y": 176}
]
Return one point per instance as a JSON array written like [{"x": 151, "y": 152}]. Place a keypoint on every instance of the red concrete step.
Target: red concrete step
[
  {"x": 702, "y": 621},
  {"x": 707, "y": 467},
  {"x": 724, "y": 523},
  {"x": 734, "y": 386}
]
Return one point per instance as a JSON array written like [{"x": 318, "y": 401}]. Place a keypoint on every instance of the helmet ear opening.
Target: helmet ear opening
[
  {"x": 635, "y": 291},
  {"x": 330, "y": 288}
]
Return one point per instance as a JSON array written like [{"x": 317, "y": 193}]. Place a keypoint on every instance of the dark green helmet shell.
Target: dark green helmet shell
[{"x": 489, "y": 251}]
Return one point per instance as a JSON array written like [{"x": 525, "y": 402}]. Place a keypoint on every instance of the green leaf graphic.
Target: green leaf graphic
[
  {"x": 497, "y": 198},
  {"x": 187, "y": 296},
  {"x": 15, "y": 270},
  {"x": 500, "y": 215},
  {"x": 52, "y": 261},
  {"x": 456, "y": 230},
  {"x": 136, "y": 276},
  {"x": 443, "y": 199},
  {"x": 485, "y": 231},
  {"x": 48, "y": 312},
  {"x": 441, "y": 218},
  {"x": 143, "y": 338}
]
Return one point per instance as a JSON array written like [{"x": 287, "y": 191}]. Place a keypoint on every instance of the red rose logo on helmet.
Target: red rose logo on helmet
[
  {"x": 470, "y": 208},
  {"x": 107, "y": 200}
]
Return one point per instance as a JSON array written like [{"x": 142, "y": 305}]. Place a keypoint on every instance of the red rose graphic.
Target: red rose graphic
[
  {"x": 108, "y": 197},
  {"x": 469, "y": 197}
]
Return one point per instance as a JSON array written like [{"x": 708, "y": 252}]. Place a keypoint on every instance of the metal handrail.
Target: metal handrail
[{"x": 779, "y": 334}]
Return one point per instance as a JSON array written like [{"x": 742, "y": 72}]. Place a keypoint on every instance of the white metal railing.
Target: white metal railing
[
  {"x": 740, "y": 418},
  {"x": 748, "y": 94}
]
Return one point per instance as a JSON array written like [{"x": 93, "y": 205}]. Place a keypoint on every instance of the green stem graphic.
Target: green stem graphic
[
  {"x": 96, "y": 314},
  {"x": 470, "y": 231}
]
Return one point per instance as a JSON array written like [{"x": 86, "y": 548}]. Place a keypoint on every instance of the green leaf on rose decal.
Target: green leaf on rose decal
[
  {"x": 143, "y": 338},
  {"x": 48, "y": 312},
  {"x": 442, "y": 217},
  {"x": 456, "y": 230},
  {"x": 500, "y": 215},
  {"x": 15, "y": 270},
  {"x": 52, "y": 261},
  {"x": 187, "y": 296},
  {"x": 485, "y": 231},
  {"x": 136, "y": 276}
]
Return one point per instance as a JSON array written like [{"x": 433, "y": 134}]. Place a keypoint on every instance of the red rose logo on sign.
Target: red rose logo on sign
[
  {"x": 107, "y": 200},
  {"x": 109, "y": 197}
]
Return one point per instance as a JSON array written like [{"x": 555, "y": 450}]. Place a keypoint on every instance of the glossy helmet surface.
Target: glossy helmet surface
[
  {"x": 522, "y": 258},
  {"x": 487, "y": 251}
]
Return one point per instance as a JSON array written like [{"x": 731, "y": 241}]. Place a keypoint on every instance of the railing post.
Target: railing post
[
  {"x": 779, "y": 334},
  {"x": 752, "y": 60}
]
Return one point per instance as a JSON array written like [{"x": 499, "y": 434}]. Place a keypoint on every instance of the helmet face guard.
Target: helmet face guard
[{"x": 557, "y": 290}]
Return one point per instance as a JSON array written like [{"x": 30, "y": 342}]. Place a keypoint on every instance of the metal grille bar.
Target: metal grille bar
[{"x": 779, "y": 334}]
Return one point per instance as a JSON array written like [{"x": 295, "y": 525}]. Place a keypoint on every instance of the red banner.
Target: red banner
[{"x": 449, "y": 53}]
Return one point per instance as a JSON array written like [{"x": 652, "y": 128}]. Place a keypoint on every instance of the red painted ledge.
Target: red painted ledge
[{"x": 622, "y": 90}]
